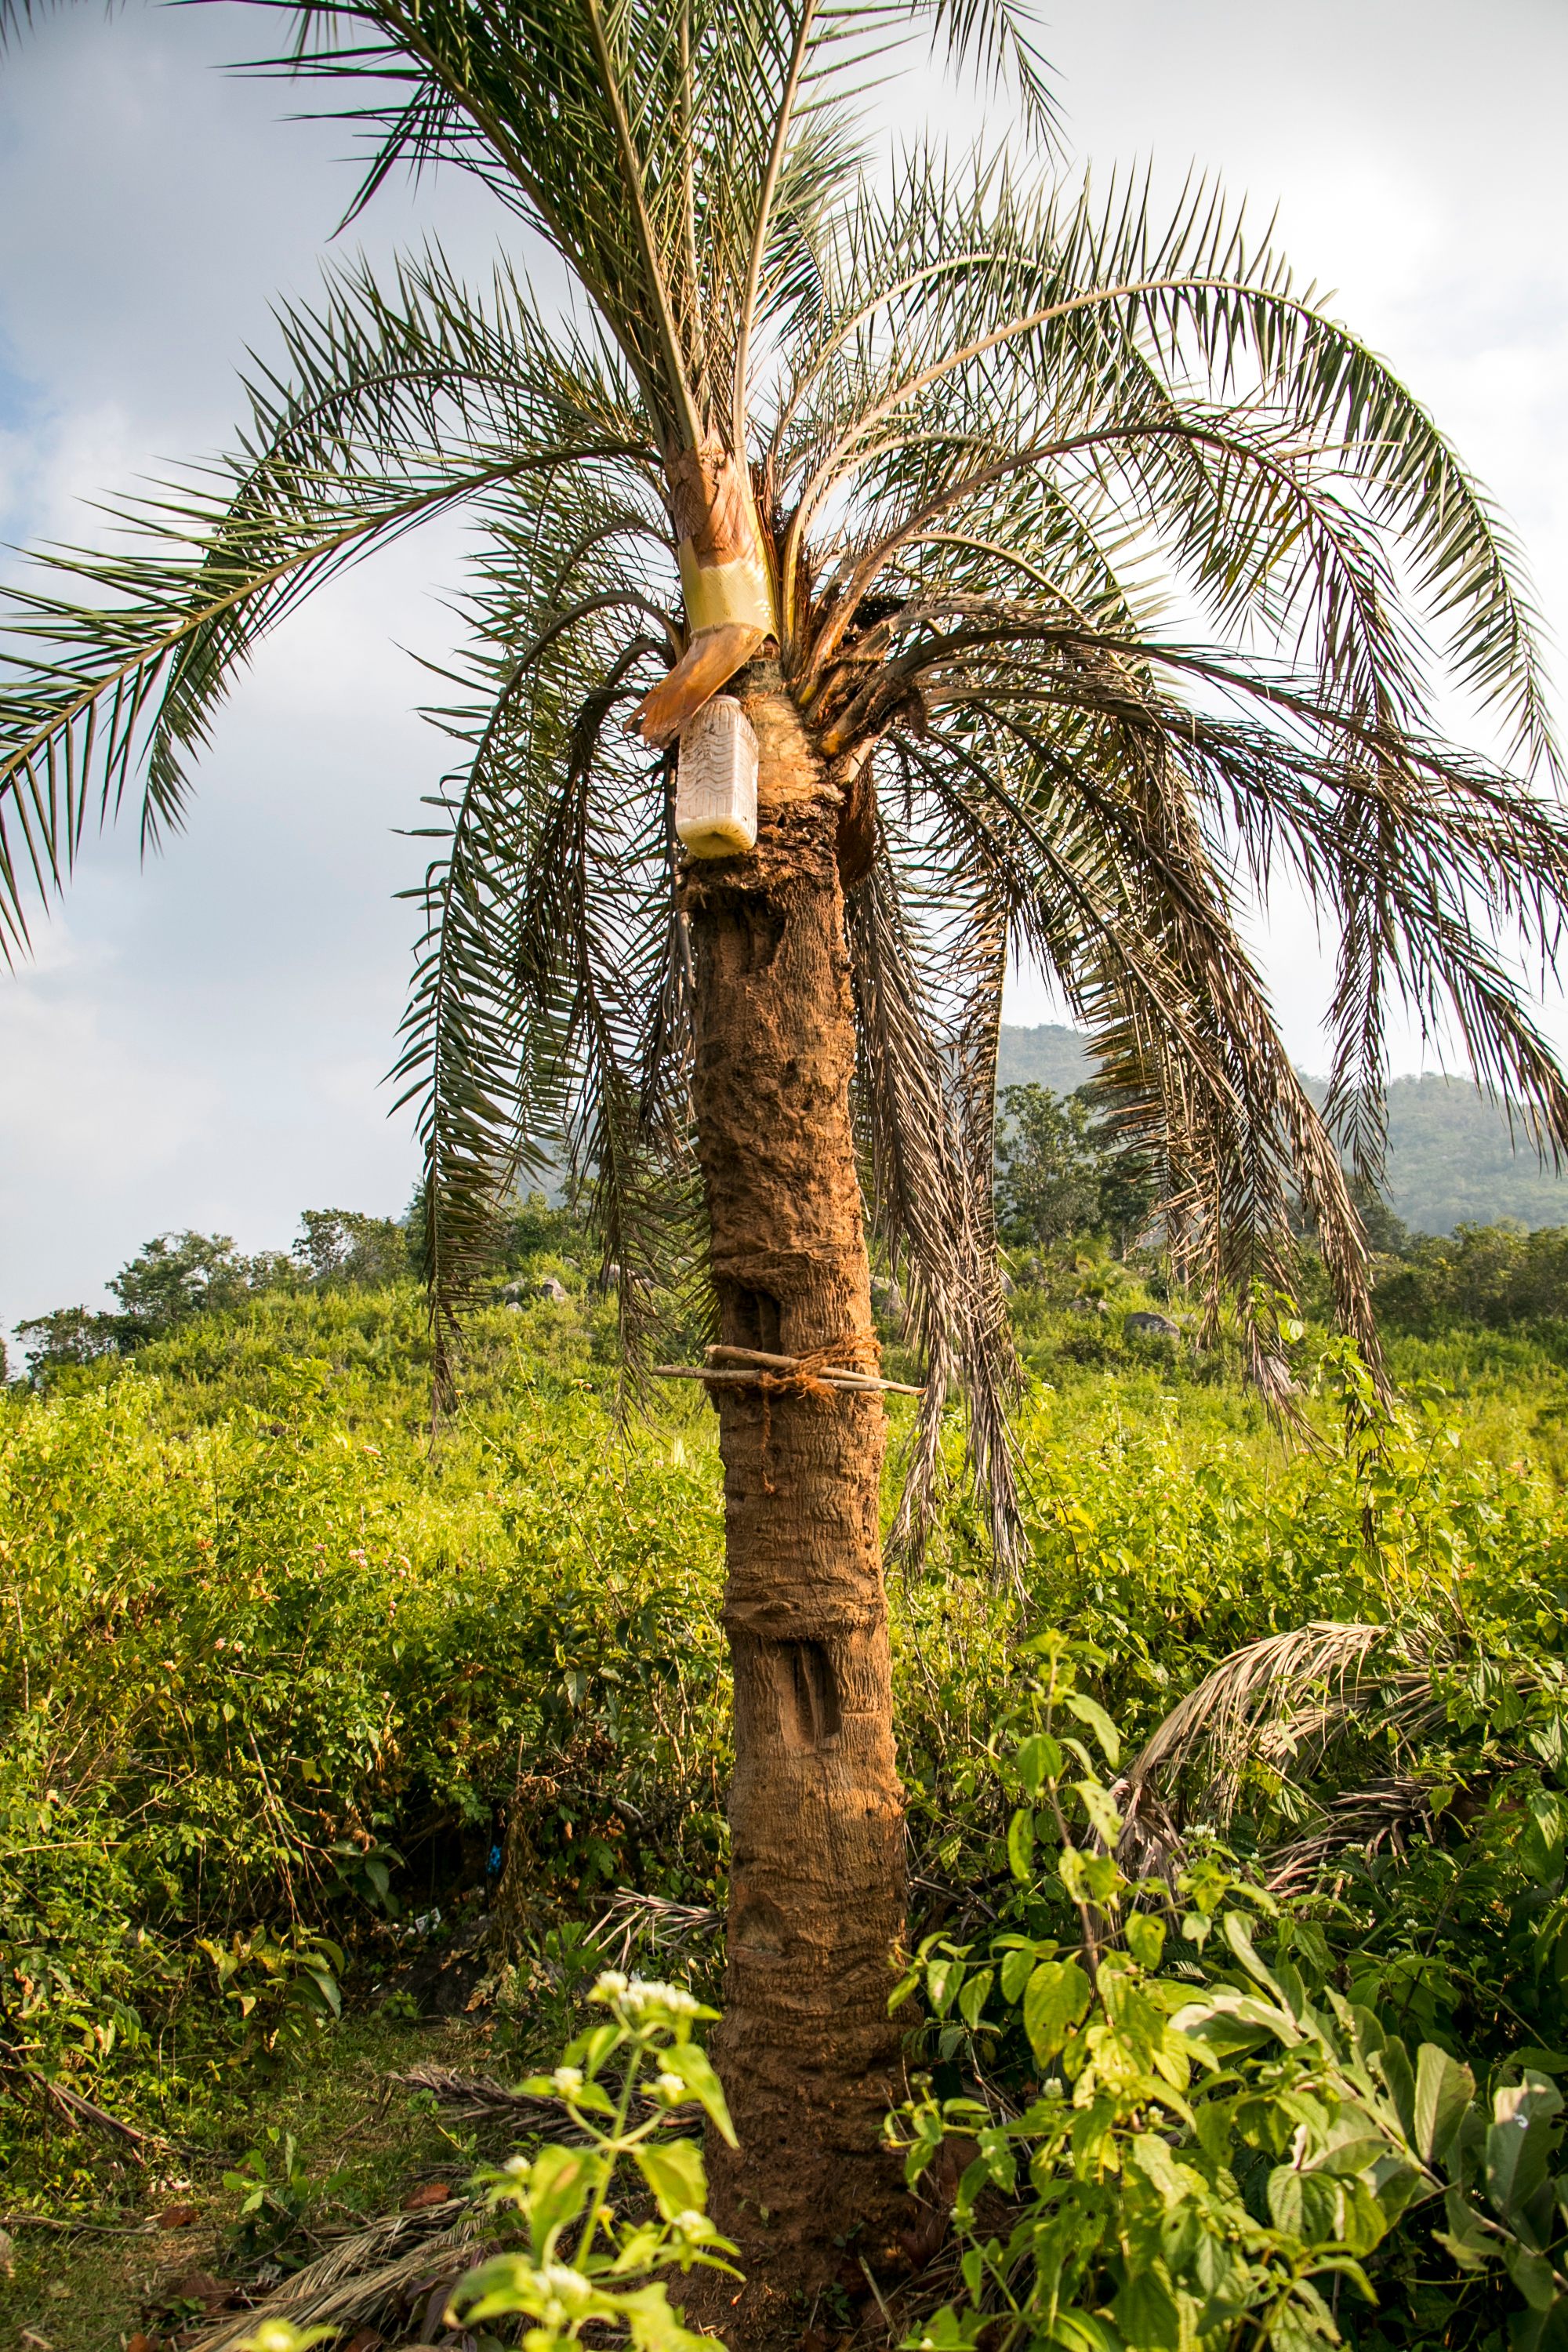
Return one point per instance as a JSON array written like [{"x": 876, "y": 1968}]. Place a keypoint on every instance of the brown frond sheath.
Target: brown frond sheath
[
  {"x": 725, "y": 583},
  {"x": 710, "y": 661}
]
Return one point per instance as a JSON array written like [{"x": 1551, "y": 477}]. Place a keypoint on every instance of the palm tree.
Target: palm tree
[{"x": 1068, "y": 569}]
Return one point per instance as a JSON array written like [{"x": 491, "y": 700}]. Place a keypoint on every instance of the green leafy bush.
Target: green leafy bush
[
  {"x": 1498, "y": 1276},
  {"x": 1204, "y": 2151}
]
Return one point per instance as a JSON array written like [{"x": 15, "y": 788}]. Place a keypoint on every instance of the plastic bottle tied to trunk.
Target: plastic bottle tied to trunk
[{"x": 716, "y": 781}]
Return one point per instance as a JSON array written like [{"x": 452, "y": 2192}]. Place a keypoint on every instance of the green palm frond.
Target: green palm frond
[
  {"x": 664, "y": 151},
  {"x": 389, "y": 409},
  {"x": 550, "y": 1014},
  {"x": 1034, "y": 332}
]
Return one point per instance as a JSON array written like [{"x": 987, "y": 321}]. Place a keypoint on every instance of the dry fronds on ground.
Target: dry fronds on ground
[{"x": 1284, "y": 1703}]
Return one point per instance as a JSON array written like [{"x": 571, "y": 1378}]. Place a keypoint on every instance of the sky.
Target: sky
[{"x": 200, "y": 1040}]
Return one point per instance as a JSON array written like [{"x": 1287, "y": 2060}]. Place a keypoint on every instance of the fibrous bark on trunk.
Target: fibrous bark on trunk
[{"x": 808, "y": 2055}]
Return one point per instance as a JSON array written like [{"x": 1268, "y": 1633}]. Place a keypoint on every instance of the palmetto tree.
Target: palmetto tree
[{"x": 1070, "y": 569}]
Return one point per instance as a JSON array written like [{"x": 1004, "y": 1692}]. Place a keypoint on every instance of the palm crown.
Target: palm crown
[{"x": 1105, "y": 570}]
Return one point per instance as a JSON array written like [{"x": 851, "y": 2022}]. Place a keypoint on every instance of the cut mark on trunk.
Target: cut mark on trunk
[
  {"x": 755, "y": 1316},
  {"x": 757, "y": 1920},
  {"x": 807, "y": 1689},
  {"x": 748, "y": 943}
]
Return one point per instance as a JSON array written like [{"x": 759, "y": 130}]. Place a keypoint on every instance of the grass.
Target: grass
[{"x": 363, "y": 2146}]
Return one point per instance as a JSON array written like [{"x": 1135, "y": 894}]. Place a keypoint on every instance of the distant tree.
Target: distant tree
[
  {"x": 533, "y": 1222},
  {"x": 1497, "y": 1276},
  {"x": 1061, "y": 1169},
  {"x": 344, "y": 1246},
  {"x": 177, "y": 1275},
  {"x": 171, "y": 1279},
  {"x": 1387, "y": 1235},
  {"x": 65, "y": 1340}
]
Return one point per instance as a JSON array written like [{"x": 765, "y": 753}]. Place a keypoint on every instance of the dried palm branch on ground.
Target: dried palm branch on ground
[
  {"x": 1380, "y": 1817},
  {"x": 383, "y": 2270},
  {"x": 1245, "y": 1708},
  {"x": 1287, "y": 1700},
  {"x": 480, "y": 2098},
  {"x": 630, "y": 1920}
]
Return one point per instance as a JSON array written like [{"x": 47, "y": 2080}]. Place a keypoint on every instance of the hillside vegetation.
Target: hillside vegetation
[
  {"x": 315, "y": 1725},
  {"x": 1453, "y": 1157}
]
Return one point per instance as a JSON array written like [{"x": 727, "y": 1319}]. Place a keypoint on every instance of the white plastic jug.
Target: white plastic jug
[{"x": 716, "y": 781}]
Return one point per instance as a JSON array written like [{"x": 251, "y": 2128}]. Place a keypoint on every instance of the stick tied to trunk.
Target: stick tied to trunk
[{"x": 841, "y": 1366}]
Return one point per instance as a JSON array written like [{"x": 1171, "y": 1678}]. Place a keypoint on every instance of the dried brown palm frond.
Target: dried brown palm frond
[
  {"x": 1381, "y": 1817},
  {"x": 1286, "y": 1703},
  {"x": 480, "y": 2098},
  {"x": 927, "y": 1013},
  {"x": 631, "y": 1919},
  {"x": 1246, "y": 1707},
  {"x": 368, "y": 2278}
]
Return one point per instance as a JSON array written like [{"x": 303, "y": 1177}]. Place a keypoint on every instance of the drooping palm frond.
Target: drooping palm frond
[
  {"x": 551, "y": 1008},
  {"x": 931, "y": 1200},
  {"x": 387, "y": 410},
  {"x": 1005, "y": 405},
  {"x": 1251, "y": 1705}
]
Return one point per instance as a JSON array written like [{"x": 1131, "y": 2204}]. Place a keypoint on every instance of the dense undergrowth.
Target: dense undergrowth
[{"x": 285, "y": 1677}]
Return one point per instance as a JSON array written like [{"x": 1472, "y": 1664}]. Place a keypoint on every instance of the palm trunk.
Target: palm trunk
[{"x": 808, "y": 2056}]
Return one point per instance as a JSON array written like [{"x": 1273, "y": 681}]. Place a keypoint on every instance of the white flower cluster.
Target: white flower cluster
[
  {"x": 635, "y": 1997},
  {"x": 568, "y": 2080},
  {"x": 695, "y": 2228},
  {"x": 565, "y": 2291}
]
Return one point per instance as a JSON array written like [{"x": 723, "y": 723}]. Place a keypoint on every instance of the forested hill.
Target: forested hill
[{"x": 1450, "y": 1162}]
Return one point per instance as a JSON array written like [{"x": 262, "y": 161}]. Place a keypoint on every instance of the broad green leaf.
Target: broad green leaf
[
  {"x": 654, "y": 2327},
  {"x": 1444, "y": 2089},
  {"x": 1056, "y": 1998},
  {"x": 943, "y": 1978},
  {"x": 1154, "y": 2160},
  {"x": 1539, "y": 1838},
  {"x": 1472, "y": 2246},
  {"x": 695, "y": 2068},
  {"x": 1089, "y": 1711},
  {"x": 1082, "y": 2331},
  {"x": 1088, "y": 1878},
  {"x": 1021, "y": 1847},
  {"x": 674, "y": 2171},
  {"x": 501, "y": 2284},
  {"x": 1393, "y": 2063},
  {"x": 1531, "y": 2273},
  {"x": 1016, "y": 1969},
  {"x": 1148, "y": 2314},
  {"x": 1038, "y": 1759},
  {"x": 972, "y": 1998},
  {"x": 1516, "y": 2142},
  {"x": 1307, "y": 2205},
  {"x": 560, "y": 2185},
  {"x": 1103, "y": 1817},
  {"x": 1145, "y": 1939}
]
